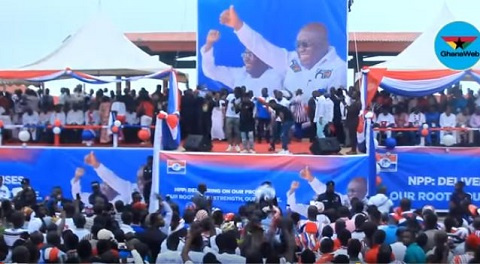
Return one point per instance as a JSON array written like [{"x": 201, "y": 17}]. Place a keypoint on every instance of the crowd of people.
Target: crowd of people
[
  {"x": 242, "y": 119},
  {"x": 61, "y": 230}
]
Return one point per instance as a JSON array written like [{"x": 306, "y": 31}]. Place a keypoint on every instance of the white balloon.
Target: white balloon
[
  {"x": 56, "y": 130},
  {"x": 425, "y": 126},
  {"x": 24, "y": 136},
  {"x": 117, "y": 123},
  {"x": 369, "y": 115},
  {"x": 448, "y": 140}
]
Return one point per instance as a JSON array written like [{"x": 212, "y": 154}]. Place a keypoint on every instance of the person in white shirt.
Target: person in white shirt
[
  {"x": 58, "y": 114},
  {"x": 328, "y": 111},
  {"x": 383, "y": 120},
  {"x": 113, "y": 186},
  {"x": 416, "y": 119},
  {"x": 381, "y": 201},
  {"x": 5, "y": 193},
  {"x": 448, "y": 120},
  {"x": 10, "y": 235},
  {"x": 30, "y": 119},
  {"x": 254, "y": 75},
  {"x": 75, "y": 117},
  {"x": 314, "y": 65},
  {"x": 319, "y": 119},
  {"x": 118, "y": 111},
  {"x": 232, "y": 121}
]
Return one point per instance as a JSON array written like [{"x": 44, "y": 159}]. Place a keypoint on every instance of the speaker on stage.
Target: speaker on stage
[
  {"x": 325, "y": 146},
  {"x": 197, "y": 143}
]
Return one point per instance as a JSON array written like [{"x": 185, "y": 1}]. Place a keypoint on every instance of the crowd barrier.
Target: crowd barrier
[{"x": 425, "y": 175}]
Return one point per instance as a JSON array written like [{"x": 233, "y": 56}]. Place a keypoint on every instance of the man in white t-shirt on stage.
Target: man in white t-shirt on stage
[
  {"x": 232, "y": 120},
  {"x": 255, "y": 75},
  {"x": 314, "y": 65}
]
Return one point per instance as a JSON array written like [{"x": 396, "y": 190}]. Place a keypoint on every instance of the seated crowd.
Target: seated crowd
[
  {"x": 59, "y": 230},
  {"x": 241, "y": 119}
]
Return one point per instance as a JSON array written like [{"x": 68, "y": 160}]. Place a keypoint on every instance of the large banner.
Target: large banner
[
  {"x": 288, "y": 44},
  {"x": 427, "y": 176},
  {"x": 119, "y": 171},
  {"x": 232, "y": 179}
]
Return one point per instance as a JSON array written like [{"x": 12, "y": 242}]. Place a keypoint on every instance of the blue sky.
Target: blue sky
[{"x": 33, "y": 28}]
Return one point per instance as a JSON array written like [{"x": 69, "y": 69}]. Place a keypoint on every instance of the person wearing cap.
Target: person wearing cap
[
  {"x": 27, "y": 196},
  {"x": 329, "y": 198},
  {"x": 97, "y": 194},
  {"x": 255, "y": 74}
]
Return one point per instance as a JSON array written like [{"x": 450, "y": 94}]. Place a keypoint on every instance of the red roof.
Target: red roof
[{"x": 383, "y": 42}]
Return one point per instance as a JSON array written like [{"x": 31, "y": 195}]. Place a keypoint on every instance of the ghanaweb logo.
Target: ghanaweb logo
[
  {"x": 176, "y": 166},
  {"x": 457, "y": 45}
]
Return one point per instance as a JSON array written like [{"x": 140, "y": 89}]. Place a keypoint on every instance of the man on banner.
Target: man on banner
[
  {"x": 356, "y": 188},
  {"x": 255, "y": 75},
  {"x": 113, "y": 186},
  {"x": 314, "y": 65}
]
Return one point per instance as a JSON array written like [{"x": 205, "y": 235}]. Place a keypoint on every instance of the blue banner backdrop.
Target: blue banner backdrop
[
  {"x": 232, "y": 179},
  {"x": 279, "y": 22},
  {"x": 427, "y": 175},
  {"x": 48, "y": 167}
]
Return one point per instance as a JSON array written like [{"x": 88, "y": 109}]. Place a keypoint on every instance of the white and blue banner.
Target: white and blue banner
[{"x": 302, "y": 43}]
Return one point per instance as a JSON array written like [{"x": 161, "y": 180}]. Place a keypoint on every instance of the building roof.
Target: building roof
[{"x": 382, "y": 42}]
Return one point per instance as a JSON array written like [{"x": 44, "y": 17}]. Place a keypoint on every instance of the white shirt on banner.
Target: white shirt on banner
[
  {"x": 230, "y": 107},
  {"x": 238, "y": 76},
  {"x": 75, "y": 117},
  {"x": 123, "y": 187},
  {"x": 4, "y": 193},
  {"x": 330, "y": 71},
  {"x": 416, "y": 119}
]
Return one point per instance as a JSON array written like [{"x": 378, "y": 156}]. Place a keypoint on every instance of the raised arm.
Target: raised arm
[
  {"x": 76, "y": 186},
  {"x": 272, "y": 55},
  {"x": 317, "y": 186},
  {"x": 121, "y": 186},
  {"x": 301, "y": 209},
  {"x": 218, "y": 73}
]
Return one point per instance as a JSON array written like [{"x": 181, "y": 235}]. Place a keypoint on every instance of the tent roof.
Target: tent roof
[
  {"x": 420, "y": 55},
  {"x": 98, "y": 48}
]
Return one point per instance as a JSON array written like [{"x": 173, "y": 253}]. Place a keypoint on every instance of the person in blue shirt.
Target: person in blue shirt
[{"x": 263, "y": 117}]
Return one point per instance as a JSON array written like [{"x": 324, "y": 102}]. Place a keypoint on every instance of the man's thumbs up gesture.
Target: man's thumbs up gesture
[{"x": 230, "y": 18}]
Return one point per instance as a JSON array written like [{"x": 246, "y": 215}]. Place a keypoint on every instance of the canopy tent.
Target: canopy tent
[
  {"x": 416, "y": 71},
  {"x": 97, "y": 49}
]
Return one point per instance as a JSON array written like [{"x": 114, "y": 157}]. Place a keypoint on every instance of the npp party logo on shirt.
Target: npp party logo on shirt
[
  {"x": 457, "y": 45},
  {"x": 176, "y": 166}
]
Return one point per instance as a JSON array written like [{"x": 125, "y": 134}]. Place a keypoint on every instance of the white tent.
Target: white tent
[
  {"x": 98, "y": 48},
  {"x": 417, "y": 71}
]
